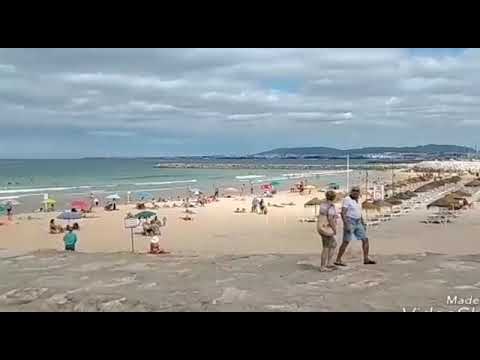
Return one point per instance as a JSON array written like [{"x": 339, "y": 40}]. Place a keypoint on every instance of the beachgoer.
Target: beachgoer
[
  {"x": 262, "y": 206},
  {"x": 243, "y": 189},
  {"x": 254, "y": 204},
  {"x": 54, "y": 228},
  {"x": 353, "y": 225},
  {"x": 155, "y": 246},
  {"x": 97, "y": 202},
  {"x": 329, "y": 243},
  {"x": 9, "y": 211},
  {"x": 164, "y": 221},
  {"x": 251, "y": 189},
  {"x": 216, "y": 193},
  {"x": 70, "y": 239}
]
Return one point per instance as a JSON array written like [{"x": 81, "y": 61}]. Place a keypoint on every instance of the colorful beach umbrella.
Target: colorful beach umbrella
[
  {"x": 231, "y": 189},
  {"x": 275, "y": 183},
  {"x": 113, "y": 197},
  {"x": 145, "y": 215},
  {"x": 81, "y": 205},
  {"x": 51, "y": 201},
  {"x": 11, "y": 202},
  {"x": 143, "y": 195},
  {"x": 68, "y": 215}
]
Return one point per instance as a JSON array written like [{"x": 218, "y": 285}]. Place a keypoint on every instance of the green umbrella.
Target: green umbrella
[
  {"x": 3, "y": 210},
  {"x": 275, "y": 183},
  {"x": 145, "y": 215}
]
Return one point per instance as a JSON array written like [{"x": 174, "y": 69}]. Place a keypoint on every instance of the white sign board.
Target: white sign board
[
  {"x": 378, "y": 192},
  {"x": 131, "y": 223}
]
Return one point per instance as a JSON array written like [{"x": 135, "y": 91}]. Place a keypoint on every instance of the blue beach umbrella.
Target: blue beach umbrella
[
  {"x": 68, "y": 215},
  {"x": 143, "y": 195}
]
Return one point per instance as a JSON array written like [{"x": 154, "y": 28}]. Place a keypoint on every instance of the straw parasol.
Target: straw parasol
[
  {"x": 314, "y": 202},
  {"x": 446, "y": 202},
  {"x": 473, "y": 183},
  {"x": 382, "y": 203},
  {"x": 367, "y": 205},
  {"x": 461, "y": 194}
]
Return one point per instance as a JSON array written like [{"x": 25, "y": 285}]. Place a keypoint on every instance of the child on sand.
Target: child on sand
[{"x": 70, "y": 239}]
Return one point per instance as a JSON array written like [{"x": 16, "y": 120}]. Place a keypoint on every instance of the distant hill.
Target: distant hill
[{"x": 326, "y": 151}]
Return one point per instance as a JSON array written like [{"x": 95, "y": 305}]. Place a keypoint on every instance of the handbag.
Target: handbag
[{"x": 323, "y": 226}]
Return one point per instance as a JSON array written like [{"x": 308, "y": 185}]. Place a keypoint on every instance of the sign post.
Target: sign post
[{"x": 131, "y": 223}]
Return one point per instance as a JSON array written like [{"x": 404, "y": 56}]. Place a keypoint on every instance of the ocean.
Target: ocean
[{"x": 65, "y": 180}]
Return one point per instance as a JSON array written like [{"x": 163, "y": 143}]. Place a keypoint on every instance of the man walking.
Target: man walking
[{"x": 353, "y": 225}]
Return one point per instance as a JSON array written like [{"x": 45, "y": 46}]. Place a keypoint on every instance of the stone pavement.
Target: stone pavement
[{"x": 57, "y": 281}]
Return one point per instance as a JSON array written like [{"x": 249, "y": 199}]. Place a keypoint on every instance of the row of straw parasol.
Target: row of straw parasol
[
  {"x": 409, "y": 181},
  {"x": 438, "y": 183},
  {"x": 453, "y": 201}
]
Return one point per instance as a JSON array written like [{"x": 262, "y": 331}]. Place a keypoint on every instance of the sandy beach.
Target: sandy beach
[{"x": 217, "y": 230}]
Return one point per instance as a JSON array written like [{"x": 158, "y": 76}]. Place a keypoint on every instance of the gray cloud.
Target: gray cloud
[{"x": 204, "y": 94}]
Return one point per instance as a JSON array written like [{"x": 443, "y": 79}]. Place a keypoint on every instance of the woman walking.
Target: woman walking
[{"x": 327, "y": 229}]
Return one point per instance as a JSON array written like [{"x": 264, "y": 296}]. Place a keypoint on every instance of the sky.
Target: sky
[{"x": 162, "y": 102}]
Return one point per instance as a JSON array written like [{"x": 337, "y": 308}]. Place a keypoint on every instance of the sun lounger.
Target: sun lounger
[
  {"x": 309, "y": 220},
  {"x": 373, "y": 223}
]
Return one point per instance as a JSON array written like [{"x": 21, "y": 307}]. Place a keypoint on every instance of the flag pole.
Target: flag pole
[{"x": 348, "y": 173}]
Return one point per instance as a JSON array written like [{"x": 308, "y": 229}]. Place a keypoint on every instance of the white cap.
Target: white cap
[{"x": 155, "y": 240}]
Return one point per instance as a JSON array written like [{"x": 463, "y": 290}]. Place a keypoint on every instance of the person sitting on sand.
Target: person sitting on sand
[
  {"x": 76, "y": 226},
  {"x": 70, "y": 239},
  {"x": 55, "y": 229},
  {"x": 187, "y": 218},
  {"x": 155, "y": 247},
  {"x": 147, "y": 229}
]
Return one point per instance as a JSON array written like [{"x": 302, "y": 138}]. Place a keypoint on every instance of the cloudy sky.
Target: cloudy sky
[{"x": 151, "y": 102}]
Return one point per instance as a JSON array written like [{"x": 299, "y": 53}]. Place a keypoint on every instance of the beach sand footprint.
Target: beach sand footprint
[
  {"x": 22, "y": 296},
  {"x": 230, "y": 295}
]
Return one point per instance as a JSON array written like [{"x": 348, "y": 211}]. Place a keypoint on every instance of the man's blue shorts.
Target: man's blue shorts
[{"x": 356, "y": 229}]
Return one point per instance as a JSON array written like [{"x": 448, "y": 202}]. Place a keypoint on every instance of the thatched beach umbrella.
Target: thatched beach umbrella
[
  {"x": 446, "y": 202},
  {"x": 382, "y": 204},
  {"x": 461, "y": 194},
  {"x": 368, "y": 206},
  {"x": 394, "y": 202},
  {"x": 473, "y": 183},
  {"x": 314, "y": 202}
]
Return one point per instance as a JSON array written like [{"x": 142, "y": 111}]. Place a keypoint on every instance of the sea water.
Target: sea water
[{"x": 65, "y": 180}]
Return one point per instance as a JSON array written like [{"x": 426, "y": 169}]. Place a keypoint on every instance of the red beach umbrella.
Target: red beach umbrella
[{"x": 81, "y": 205}]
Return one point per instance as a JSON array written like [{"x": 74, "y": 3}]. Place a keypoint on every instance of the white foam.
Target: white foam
[
  {"x": 20, "y": 191},
  {"x": 319, "y": 173},
  {"x": 166, "y": 182},
  {"x": 249, "y": 177}
]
